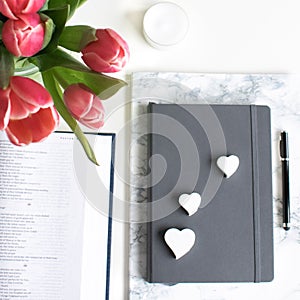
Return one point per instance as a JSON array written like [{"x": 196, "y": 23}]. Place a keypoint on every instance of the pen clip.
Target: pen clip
[
  {"x": 283, "y": 145},
  {"x": 281, "y": 150}
]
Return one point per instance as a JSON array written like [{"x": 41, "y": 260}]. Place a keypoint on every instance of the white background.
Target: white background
[{"x": 225, "y": 36}]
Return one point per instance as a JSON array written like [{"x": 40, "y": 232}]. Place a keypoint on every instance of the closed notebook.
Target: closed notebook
[{"x": 233, "y": 225}]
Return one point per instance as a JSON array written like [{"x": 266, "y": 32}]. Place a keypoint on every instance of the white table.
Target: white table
[{"x": 225, "y": 36}]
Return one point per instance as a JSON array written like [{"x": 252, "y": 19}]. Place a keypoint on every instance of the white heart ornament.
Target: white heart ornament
[
  {"x": 228, "y": 164},
  {"x": 180, "y": 241},
  {"x": 190, "y": 202}
]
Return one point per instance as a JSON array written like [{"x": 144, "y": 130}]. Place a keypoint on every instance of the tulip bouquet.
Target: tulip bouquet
[{"x": 34, "y": 39}]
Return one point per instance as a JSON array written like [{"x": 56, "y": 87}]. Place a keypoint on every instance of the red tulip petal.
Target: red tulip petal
[
  {"x": 19, "y": 108},
  {"x": 9, "y": 38},
  {"x": 106, "y": 46},
  {"x": 44, "y": 123},
  {"x": 84, "y": 105},
  {"x": 78, "y": 100},
  {"x": 96, "y": 112},
  {"x": 30, "y": 91},
  {"x": 95, "y": 118},
  {"x": 5, "y": 108},
  {"x": 32, "y": 43},
  {"x": 35, "y": 128},
  {"x": 18, "y": 133},
  {"x": 6, "y": 10},
  {"x": 95, "y": 62},
  {"x": 33, "y": 6},
  {"x": 30, "y": 32},
  {"x": 123, "y": 44},
  {"x": 12, "y": 8},
  {"x": 93, "y": 124}
]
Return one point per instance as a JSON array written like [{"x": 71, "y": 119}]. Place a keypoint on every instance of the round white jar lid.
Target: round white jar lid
[{"x": 165, "y": 24}]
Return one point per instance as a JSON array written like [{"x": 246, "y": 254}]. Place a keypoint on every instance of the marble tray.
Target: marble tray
[{"x": 279, "y": 91}]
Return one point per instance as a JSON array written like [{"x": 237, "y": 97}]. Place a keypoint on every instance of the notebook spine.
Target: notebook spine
[
  {"x": 256, "y": 200},
  {"x": 265, "y": 210}
]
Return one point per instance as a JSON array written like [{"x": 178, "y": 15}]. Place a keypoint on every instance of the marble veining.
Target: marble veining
[{"x": 279, "y": 91}]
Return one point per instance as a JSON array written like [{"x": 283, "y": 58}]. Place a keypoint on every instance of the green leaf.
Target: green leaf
[
  {"x": 59, "y": 17},
  {"x": 7, "y": 66},
  {"x": 55, "y": 91},
  {"x": 67, "y": 70},
  {"x": 80, "y": 2},
  {"x": 101, "y": 85},
  {"x": 49, "y": 29},
  {"x": 1, "y": 25},
  {"x": 77, "y": 37},
  {"x": 73, "y": 4},
  {"x": 46, "y": 61}
]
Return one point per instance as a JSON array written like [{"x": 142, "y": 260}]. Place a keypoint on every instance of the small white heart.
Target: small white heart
[
  {"x": 228, "y": 164},
  {"x": 190, "y": 202},
  {"x": 180, "y": 241}
]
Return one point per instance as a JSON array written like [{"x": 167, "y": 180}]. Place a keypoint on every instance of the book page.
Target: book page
[
  {"x": 42, "y": 207},
  {"x": 96, "y": 184}
]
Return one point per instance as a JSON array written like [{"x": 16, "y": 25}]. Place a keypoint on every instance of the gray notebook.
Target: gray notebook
[{"x": 233, "y": 225}]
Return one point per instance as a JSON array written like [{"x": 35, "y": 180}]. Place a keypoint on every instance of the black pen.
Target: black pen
[{"x": 284, "y": 154}]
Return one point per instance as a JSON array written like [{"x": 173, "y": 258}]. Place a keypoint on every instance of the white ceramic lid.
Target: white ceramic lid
[{"x": 165, "y": 24}]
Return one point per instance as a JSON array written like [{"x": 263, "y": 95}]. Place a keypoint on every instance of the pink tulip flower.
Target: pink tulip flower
[
  {"x": 84, "y": 105},
  {"x": 27, "y": 112},
  {"x": 25, "y": 36},
  {"x": 13, "y": 8},
  {"x": 109, "y": 53}
]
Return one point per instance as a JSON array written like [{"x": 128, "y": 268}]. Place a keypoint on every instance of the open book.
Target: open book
[{"x": 53, "y": 243}]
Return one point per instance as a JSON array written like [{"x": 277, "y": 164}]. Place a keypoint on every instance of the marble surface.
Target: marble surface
[{"x": 279, "y": 91}]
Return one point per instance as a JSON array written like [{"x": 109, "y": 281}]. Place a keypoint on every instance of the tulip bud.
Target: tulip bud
[
  {"x": 13, "y": 8},
  {"x": 84, "y": 105},
  {"x": 25, "y": 36},
  {"x": 109, "y": 53}
]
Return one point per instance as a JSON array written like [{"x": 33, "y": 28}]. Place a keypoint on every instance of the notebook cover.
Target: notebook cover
[{"x": 233, "y": 226}]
